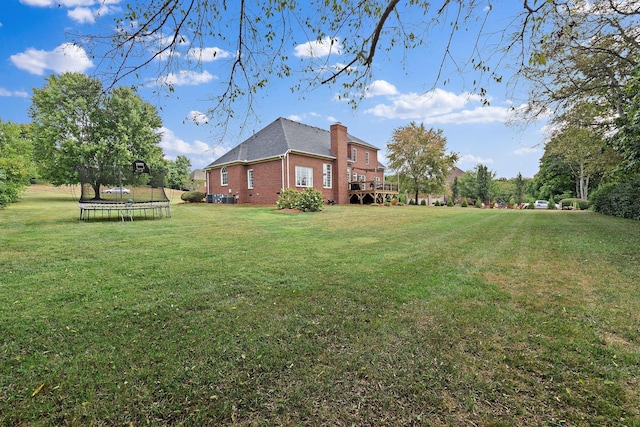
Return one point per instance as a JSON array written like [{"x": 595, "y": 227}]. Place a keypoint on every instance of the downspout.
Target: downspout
[
  {"x": 282, "y": 171},
  {"x": 282, "y": 157},
  {"x": 288, "y": 166}
]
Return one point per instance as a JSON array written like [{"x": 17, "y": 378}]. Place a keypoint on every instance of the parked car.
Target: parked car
[
  {"x": 541, "y": 204},
  {"x": 117, "y": 190}
]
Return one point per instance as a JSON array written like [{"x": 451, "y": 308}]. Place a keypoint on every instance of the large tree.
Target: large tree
[
  {"x": 178, "y": 173},
  {"x": 484, "y": 178},
  {"x": 579, "y": 142},
  {"x": 467, "y": 185},
  {"x": 421, "y": 156},
  {"x": 553, "y": 178},
  {"x": 627, "y": 138},
  {"x": 583, "y": 153},
  {"x": 583, "y": 68},
  {"x": 503, "y": 190},
  {"x": 477, "y": 184},
  {"x": 585, "y": 52},
  {"x": 15, "y": 161},
  {"x": 77, "y": 123}
]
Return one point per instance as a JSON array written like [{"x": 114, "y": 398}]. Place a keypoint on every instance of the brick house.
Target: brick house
[
  {"x": 197, "y": 179},
  {"x": 288, "y": 154}
]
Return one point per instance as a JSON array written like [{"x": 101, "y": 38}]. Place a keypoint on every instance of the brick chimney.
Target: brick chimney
[{"x": 339, "y": 150}]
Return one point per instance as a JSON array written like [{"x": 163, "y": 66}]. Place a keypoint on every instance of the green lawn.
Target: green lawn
[{"x": 355, "y": 315}]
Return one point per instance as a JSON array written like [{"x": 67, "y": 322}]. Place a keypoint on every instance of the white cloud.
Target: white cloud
[
  {"x": 162, "y": 41},
  {"x": 302, "y": 117},
  {"x": 86, "y": 15},
  {"x": 208, "y": 54},
  {"x": 218, "y": 151},
  {"x": 186, "y": 78},
  {"x": 481, "y": 114},
  {"x": 438, "y": 107},
  {"x": 527, "y": 150},
  {"x": 80, "y": 11},
  {"x": 17, "y": 93},
  {"x": 607, "y": 8},
  {"x": 82, "y": 15},
  {"x": 469, "y": 159},
  {"x": 198, "y": 152},
  {"x": 166, "y": 55},
  {"x": 420, "y": 106},
  {"x": 164, "y": 48},
  {"x": 79, "y": 8},
  {"x": 63, "y": 3},
  {"x": 66, "y": 57},
  {"x": 380, "y": 88},
  {"x": 197, "y": 117},
  {"x": 318, "y": 48},
  {"x": 106, "y": 9}
]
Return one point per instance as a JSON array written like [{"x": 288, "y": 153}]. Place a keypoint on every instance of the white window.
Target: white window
[
  {"x": 366, "y": 157},
  {"x": 224, "y": 177},
  {"x": 304, "y": 177},
  {"x": 354, "y": 154},
  {"x": 348, "y": 174},
  {"x": 250, "y": 179},
  {"x": 326, "y": 175}
]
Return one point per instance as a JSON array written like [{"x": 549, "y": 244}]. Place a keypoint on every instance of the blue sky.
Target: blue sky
[{"x": 34, "y": 37}]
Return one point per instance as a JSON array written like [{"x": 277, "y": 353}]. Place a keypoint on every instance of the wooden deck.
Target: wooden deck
[{"x": 367, "y": 192}]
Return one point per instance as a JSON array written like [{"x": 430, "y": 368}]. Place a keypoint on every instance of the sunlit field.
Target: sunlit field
[{"x": 356, "y": 315}]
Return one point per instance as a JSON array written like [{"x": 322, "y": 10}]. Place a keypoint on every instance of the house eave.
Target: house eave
[
  {"x": 364, "y": 145},
  {"x": 315, "y": 155},
  {"x": 243, "y": 162},
  {"x": 269, "y": 159}
]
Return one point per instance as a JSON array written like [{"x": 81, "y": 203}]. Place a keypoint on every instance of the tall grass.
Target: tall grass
[{"x": 239, "y": 315}]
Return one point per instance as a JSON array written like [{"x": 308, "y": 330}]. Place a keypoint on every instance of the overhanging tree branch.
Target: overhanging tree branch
[{"x": 375, "y": 38}]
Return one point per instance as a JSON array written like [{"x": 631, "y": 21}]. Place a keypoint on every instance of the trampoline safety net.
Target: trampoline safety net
[{"x": 126, "y": 191}]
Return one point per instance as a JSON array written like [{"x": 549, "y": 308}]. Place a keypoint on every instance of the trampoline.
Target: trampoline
[{"x": 124, "y": 192}]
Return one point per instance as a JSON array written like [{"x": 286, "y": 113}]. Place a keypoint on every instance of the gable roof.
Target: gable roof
[
  {"x": 281, "y": 136},
  {"x": 197, "y": 174},
  {"x": 455, "y": 172}
]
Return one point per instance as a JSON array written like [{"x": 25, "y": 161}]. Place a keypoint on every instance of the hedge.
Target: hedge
[{"x": 620, "y": 199}]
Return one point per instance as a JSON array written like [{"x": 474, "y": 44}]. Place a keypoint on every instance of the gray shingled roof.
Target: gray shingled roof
[{"x": 279, "y": 137}]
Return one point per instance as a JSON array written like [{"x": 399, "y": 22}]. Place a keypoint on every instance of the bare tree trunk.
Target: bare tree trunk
[
  {"x": 584, "y": 184},
  {"x": 577, "y": 182},
  {"x": 586, "y": 189},
  {"x": 96, "y": 190}
]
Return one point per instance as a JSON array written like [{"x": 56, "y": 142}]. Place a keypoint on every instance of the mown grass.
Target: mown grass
[{"x": 238, "y": 315}]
